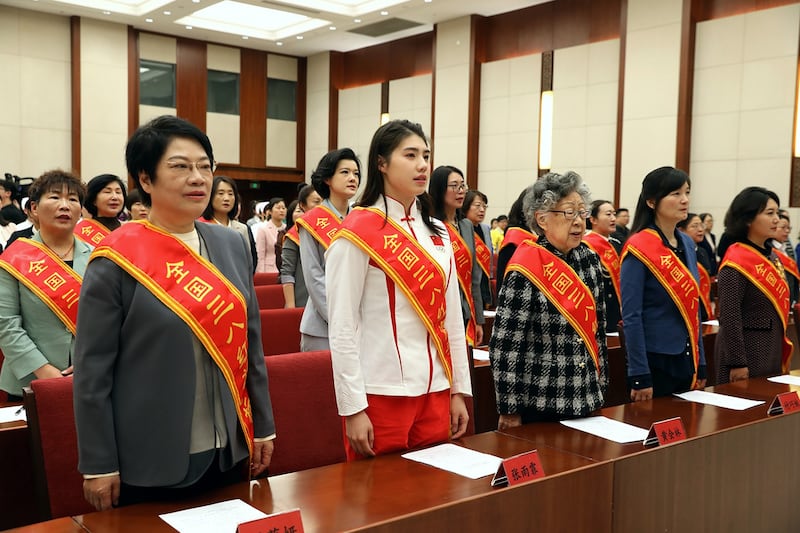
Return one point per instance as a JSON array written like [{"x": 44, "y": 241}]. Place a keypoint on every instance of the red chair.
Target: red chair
[
  {"x": 270, "y": 296},
  {"x": 308, "y": 426},
  {"x": 280, "y": 330},
  {"x": 54, "y": 445},
  {"x": 265, "y": 278}
]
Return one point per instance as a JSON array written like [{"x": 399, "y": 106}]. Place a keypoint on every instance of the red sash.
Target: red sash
[
  {"x": 608, "y": 257},
  {"x": 516, "y": 236},
  {"x": 321, "y": 223},
  {"x": 484, "y": 256},
  {"x": 705, "y": 290},
  {"x": 409, "y": 266},
  {"x": 789, "y": 264},
  {"x": 676, "y": 279},
  {"x": 292, "y": 234},
  {"x": 563, "y": 288},
  {"x": 763, "y": 273},
  {"x": 48, "y": 277},
  {"x": 91, "y": 231},
  {"x": 464, "y": 270},
  {"x": 197, "y": 292}
]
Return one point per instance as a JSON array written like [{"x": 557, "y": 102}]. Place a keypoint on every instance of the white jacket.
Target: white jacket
[{"x": 371, "y": 352}]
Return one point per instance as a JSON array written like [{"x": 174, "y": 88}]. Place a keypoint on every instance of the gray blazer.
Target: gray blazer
[
  {"x": 31, "y": 335},
  {"x": 465, "y": 229},
  {"x": 134, "y": 379}
]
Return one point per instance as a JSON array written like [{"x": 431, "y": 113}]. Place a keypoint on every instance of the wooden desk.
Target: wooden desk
[
  {"x": 737, "y": 471},
  {"x": 59, "y": 525},
  {"x": 16, "y": 474},
  {"x": 391, "y": 494}
]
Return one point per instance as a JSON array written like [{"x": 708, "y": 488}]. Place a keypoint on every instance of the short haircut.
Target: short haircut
[
  {"x": 305, "y": 192},
  {"x": 208, "y": 214},
  {"x": 326, "y": 168},
  {"x": 133, "y": 197},
  {"x": 147, "y": 145},
  {"x": 683, "y": 224},
  {"x": 56, "y": 180},
  {"x": 743, "y": 209},
  {"x": 550, "y": 189},
  {"x": 594, "y": 209},
  {"x": 97, "y": 184},
  {"x": 622, "y": 210}
]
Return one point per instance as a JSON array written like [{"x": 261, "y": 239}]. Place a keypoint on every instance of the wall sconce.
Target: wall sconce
[
  {"x": 797, "y": 118},
  {"x": 546, "y": 130}
]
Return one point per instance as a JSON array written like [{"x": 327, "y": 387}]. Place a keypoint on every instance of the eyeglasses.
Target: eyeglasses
[
  {"x": 184, "y": 168},
  {"x": 480, "y": 205},
  {"x": 571, "y": 214},
  {"x": 457, "y": 187}
]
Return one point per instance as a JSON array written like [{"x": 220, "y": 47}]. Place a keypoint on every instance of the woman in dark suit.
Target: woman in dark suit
[
  {"x": 752, "y": 311},
  {"x": 709, "y": 242}
]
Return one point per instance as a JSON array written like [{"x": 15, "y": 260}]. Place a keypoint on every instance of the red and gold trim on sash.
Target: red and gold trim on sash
[
  {"x": 484, "y": 255},
  {"x": 464, "y": 271},
  {"x": 517, "y": 236},
  {"x": 705, "y": 290},
  {"x": 789, "y": 264},
  {"x": 292, "y": 234},
  {"x": 563, "y": 288},
  {"x": 409, "y": 266},
  {"x": 91, "y": 231},
  {"x": 196, "y": 291},
  {"x": 321, "y": 223},
  {"x": 36, "y": 266},
  {"x": 674, "y": 277},
  {"x": 608, "y": 257},
  {"x": 762, "y": 273}
]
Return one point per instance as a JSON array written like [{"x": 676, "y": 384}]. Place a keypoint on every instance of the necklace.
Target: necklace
[{"x": 65, "y": 254}]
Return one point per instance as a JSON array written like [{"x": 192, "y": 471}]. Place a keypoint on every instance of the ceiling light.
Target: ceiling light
[
  {"x": 135, "y": 8},
  {"x": 384, "y": 13},
  {"x": 356, "y": 20},
  {"x": 299, "y": 37},
  {"x": 195, "y": 1},
  {"x": 331, "y": 28},
  {"x": 279, "y": 43},
  {"x": 148, "y": 20},
  {"x": 188, "y": 27},
  {"x": 106, "y": 12},
  {"x": 168, "y": 12},
  {"x": 245, "y": 37}
]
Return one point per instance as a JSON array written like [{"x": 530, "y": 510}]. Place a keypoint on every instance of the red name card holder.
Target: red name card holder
[
  {"x": 285, "y": 522},
  {"x": 665, "y": 432},
  {"x": 518, "y": 469},
  {"x": 786, "y": 402}
]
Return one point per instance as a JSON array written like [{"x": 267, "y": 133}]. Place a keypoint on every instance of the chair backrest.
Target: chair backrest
[
  {"x": 280, "y": 330},
  {"x": 796, "y": 317},
  {"x": 3, "y": 394},
  {"x": 265, "y": 278},
  {"x": 308, "y": 426},
  {"x": 54, "y": 445},
  {"x": 270, "y": 296}
]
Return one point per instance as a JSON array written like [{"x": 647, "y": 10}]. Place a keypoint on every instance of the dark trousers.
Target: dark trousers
[{"x": 665, "y": 384}]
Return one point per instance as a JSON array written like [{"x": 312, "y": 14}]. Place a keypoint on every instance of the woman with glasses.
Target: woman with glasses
[
  {"x": 447, "y": 190},
  {"x": 170, "y": 391},
  {"x": 660, "y": 292},
  {"x": 222, "y": 208},
  {"x": 474, "y": 207},
  {"x": 548, "y": 346},
  {"x": 602, "y": 223},
  {"x": 753, "y": 308},
  {"x": 693, "y": 226},
  {"x": 295, "y": 293}
]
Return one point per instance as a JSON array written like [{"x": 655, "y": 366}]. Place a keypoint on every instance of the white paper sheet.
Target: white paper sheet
[
  {"x": 480, "y": 355},
  {"x": 607, "y": 428},
  {"x": 12, "y": 414},
  {"x": 719, "y": 400},
  {"x": 714, "y": 322},
  {"x": 457, "y": 459},
  {"x": 489, "y": 314},
  {"x": 612, "y": 333},
  {"x": 786, "y": 379},
  {"x": 222, "y": 517}
]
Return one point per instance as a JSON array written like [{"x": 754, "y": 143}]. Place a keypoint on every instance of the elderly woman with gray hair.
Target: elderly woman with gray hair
[{"x": 548, "y": 347}]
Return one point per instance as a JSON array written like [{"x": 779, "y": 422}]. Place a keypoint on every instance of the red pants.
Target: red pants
[{"x": 400, "y": 423}]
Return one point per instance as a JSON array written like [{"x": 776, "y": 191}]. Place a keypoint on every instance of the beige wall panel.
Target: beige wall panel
[
  {"x": 651, "y": 72},
  {"x": 646, "y": 14},
  {"x": 601, "y": 103},
  {"x": 709, "y": 37},
  {"x": 10, "y": 92},
  {"x": 410, "y": 98},
  {"x": 769, "y": 173},
  {"x": 570, "y": 107},
  {"x": 45, "y": 86},
  {"x": 9, "y": 30},
  {"x": 765, "y": 133},
  {"x": 715, "y": 137},
  {"x": 157, "y": 48},
  {"x": 714, "y": 183},
  {"x": 223, "y": 131},
  {"x": 359, "y": 117},
  {"x": 224, "y": 58},
  {"x": 452, "y": 43},
  {"x": 769, "y": 83},
  {"x": 281, "y": 143},
  {"x": 600, "y": 181},
  {"x": 604, "y": 62},
  {"x": 771, "y": 32},
  {"x": 281, "y": 67},
  {"x": 44, "y": 36},
  {"x": 149, "y": 112},
  {"x": 647, "y": 144},
  {"x": 317, "y": 109},
  {"x": 104, "y": 97},
  {"x": 44, "y": 149},
  {"x": 600, "y": 145},
  {"x": 717, "y": 89},
  {"x": 11, "y": 150},
  {"x": 569, "y": 148}
]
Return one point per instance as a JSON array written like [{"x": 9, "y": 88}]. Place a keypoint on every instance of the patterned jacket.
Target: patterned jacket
[{"x": 539, "y": 361}]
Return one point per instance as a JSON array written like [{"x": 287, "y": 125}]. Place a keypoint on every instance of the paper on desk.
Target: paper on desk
[
  {"x": 12, "y": 414},
  {"x": 714, "y": 322},
  {"x": 480, "y": 355},
  {"x": 457, "y": 459},
  {"x": 222, "y": 517},
  {"x": 719, "y": 400},
  {"x": 489, "y": 314},
  {"x": 612, "y": 333},
  {"x": 786, "y": 379},
  {"x": 607, "y": 428}
]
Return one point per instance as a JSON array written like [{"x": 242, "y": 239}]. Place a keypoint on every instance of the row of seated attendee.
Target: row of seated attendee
[{"x": 391, "y": 292}]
